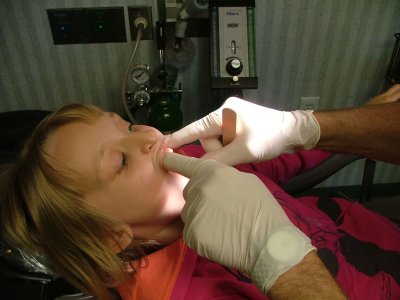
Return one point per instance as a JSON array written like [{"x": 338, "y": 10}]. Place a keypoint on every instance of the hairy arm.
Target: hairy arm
[
  {"x": 307, "y": 280},
  {"x": 372, "y": 131}
]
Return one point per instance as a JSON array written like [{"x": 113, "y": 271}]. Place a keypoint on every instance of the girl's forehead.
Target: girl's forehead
[{"x": 72, "y": 143}]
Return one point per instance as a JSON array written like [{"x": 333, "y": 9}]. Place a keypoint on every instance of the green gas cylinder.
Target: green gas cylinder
[{"x": 165, "y": 114}]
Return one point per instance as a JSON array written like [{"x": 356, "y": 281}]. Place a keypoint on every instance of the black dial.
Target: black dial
[{"x": 234, "y": 66}]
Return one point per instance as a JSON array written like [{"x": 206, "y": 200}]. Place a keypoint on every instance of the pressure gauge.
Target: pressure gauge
[{"x": 140, "y": 74}]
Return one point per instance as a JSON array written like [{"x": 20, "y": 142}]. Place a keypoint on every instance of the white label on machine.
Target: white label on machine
[{"x": 233, "y": 38}]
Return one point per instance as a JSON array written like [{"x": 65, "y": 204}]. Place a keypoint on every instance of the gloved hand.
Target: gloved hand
[
  {"x": 231, "y": 218},
  {"x": 262, "y": 133}
]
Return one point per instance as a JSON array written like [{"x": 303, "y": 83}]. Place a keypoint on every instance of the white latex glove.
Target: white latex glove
[
  {"x": 262, "y": 133},
  {"x": 231, "y": 218}
]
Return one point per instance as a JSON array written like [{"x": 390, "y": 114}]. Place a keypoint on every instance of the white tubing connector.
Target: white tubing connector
[{"x": 141, "y": 21}]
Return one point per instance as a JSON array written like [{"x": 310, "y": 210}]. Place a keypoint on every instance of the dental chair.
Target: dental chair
[
  {"x": 334, "y": 163},
  {"x": 26, "y": 276}
]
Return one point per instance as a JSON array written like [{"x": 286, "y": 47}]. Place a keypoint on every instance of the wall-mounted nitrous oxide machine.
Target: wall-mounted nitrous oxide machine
[{"x": 232, "y": 41}]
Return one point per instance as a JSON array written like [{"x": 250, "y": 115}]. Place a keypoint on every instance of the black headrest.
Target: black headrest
[{"x": 15, "y": 128}]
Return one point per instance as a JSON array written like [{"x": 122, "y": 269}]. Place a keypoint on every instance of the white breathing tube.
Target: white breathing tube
[{"x": 141, "y": 24}]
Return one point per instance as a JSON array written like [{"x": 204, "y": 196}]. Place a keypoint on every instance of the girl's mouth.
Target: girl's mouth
[{"x": 160, "y": 151}]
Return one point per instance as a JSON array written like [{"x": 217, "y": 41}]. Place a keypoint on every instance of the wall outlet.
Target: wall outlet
[
  {"x": 309, "y": 103},
  {"x": 140, "y": 11}
]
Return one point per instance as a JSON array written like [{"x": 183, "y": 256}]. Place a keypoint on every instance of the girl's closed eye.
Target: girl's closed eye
[{"x": 124, "y": 163}]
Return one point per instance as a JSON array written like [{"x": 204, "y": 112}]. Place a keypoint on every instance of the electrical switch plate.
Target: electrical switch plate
[
  {"x": 87, "y": 25},
  {"x": 309, "y": 103},
  {"x": 140, "y": 11}
]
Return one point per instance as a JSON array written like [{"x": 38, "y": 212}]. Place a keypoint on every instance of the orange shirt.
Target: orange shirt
[{"x": 163, "y": 269}]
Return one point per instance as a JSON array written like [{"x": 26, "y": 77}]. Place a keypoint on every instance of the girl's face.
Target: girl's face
[{"x": 124, "y": 163}]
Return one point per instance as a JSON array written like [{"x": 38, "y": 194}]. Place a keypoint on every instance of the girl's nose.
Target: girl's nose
[{"x": 144, "y": 137}]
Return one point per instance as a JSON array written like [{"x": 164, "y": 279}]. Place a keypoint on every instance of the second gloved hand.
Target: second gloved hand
[
  {"x": 262, "y": 133},
  {"x": 231, "y": 218}
]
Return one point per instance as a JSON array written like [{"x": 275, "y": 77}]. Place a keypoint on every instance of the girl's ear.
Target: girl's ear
[{"x": 121, "y": 238}]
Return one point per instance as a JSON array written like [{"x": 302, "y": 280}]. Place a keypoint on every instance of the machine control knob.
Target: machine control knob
[
  {"x": 141, "y": 97},
  {"x": 234, "y": 66}
]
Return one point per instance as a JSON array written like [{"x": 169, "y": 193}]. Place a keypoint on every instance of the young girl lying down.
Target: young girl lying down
[{"x": 89, "y": 191}]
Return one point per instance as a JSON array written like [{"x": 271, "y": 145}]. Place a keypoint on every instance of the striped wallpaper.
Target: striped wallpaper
[{"x": 338, "y": 50}]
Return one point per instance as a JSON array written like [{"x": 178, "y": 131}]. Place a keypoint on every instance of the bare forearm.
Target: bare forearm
[
  {"x": 372, "y": 131},
  {"x": 307, "y": 280}
]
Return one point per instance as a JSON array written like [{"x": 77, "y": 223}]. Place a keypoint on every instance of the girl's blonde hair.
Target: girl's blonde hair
[{"x": 42, "y": 209}]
